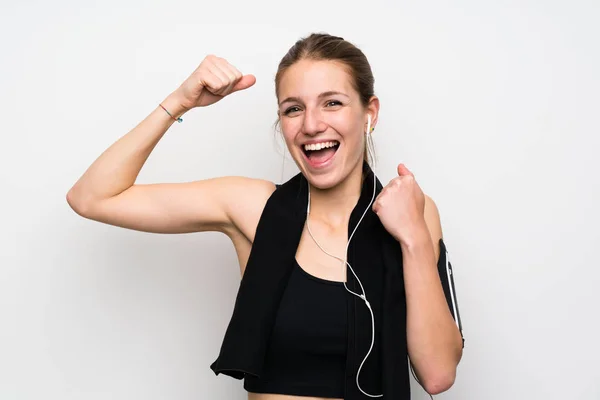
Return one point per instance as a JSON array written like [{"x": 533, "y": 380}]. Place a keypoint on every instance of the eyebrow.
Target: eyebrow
[{"x": 324, "y": 94}]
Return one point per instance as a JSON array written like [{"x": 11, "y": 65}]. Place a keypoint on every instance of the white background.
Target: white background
[{"x": 493, "y": 105}]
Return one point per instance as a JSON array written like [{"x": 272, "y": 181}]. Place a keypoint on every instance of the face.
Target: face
[{"x": 323, "y": 121}]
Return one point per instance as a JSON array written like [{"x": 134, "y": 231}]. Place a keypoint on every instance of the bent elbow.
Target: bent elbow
[
  {"x": 440, "y": 383},
  {"x": 73, "y": 202},
  {"x": 78, "y": 204}
]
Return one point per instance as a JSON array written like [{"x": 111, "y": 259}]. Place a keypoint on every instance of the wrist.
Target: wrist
[
  {"x": 174, "y": 106},
  {"x": 417, "y": 238}
]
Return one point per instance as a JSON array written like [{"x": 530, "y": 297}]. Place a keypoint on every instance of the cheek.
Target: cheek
[
  {"x": 351, "y": 132},
  {"x": 290, "y": 128},
  {"x": 288, "y": 133},
  {"x": 346, "y": 124}
]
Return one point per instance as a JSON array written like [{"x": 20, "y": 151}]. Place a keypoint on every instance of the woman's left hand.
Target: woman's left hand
[{"x": 400, "y": 207}]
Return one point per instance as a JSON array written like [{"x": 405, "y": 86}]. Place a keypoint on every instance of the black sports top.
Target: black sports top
[{"x": 307, "y": 351}]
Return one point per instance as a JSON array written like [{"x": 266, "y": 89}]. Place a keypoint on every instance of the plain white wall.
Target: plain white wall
[{"x": 493, "y": 105}]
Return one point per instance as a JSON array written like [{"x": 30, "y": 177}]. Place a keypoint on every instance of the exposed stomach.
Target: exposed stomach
[{"x": 260, "y": 396}]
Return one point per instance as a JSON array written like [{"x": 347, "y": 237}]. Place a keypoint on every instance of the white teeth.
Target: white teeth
[{"x": 319, "y": 146}]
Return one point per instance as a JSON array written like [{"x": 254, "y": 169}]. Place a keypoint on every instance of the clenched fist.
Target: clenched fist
[
  {"x": 400, "y": 206},
  {"x": 214, "y": 79}
]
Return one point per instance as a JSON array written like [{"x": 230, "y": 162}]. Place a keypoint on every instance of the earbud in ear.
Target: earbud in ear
[{"x": 368, "y": 123}]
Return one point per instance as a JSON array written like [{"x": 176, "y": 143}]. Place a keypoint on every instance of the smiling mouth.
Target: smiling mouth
[{"x": 319, "y": 153}]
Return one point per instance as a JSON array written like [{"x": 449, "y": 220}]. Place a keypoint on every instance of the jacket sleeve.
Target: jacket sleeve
[{"x": 446, "y": 273}]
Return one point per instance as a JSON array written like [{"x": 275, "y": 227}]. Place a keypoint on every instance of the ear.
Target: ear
[{"x": 373, "y": 111}]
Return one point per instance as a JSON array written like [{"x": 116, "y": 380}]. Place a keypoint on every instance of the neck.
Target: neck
[{"x": 334, "y": 206}]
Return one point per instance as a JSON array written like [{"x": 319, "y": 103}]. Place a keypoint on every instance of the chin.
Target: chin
[{"x": 323, "y": 181}]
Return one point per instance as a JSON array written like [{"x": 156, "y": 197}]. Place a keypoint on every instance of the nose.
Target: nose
[{"x": 313, "y": 123}]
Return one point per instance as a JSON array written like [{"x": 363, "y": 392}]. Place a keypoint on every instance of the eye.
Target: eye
[
  {"x": 333, "y": 103},
  {"x": 291, "y": 110}
]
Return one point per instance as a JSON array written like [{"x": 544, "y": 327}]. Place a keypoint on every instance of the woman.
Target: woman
[{"x": 302, "y": 325}]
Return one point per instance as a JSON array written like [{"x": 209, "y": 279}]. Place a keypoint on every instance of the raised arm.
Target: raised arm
[{"x": 107, "y": 192}]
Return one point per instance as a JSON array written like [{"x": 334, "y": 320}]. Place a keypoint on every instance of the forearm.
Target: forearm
[
  {"x": 117, "y": 168},
  {"x": 434, "y": 341}
]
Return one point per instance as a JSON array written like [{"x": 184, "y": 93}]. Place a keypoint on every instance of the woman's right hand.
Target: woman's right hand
[{"x": 214, "y": 79}]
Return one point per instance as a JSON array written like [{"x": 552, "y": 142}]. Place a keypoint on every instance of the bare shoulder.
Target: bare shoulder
[{"x": 432, "y": 219}]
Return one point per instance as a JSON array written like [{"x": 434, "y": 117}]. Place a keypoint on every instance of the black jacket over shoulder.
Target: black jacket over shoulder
[{"x": 376, "y": 258}]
